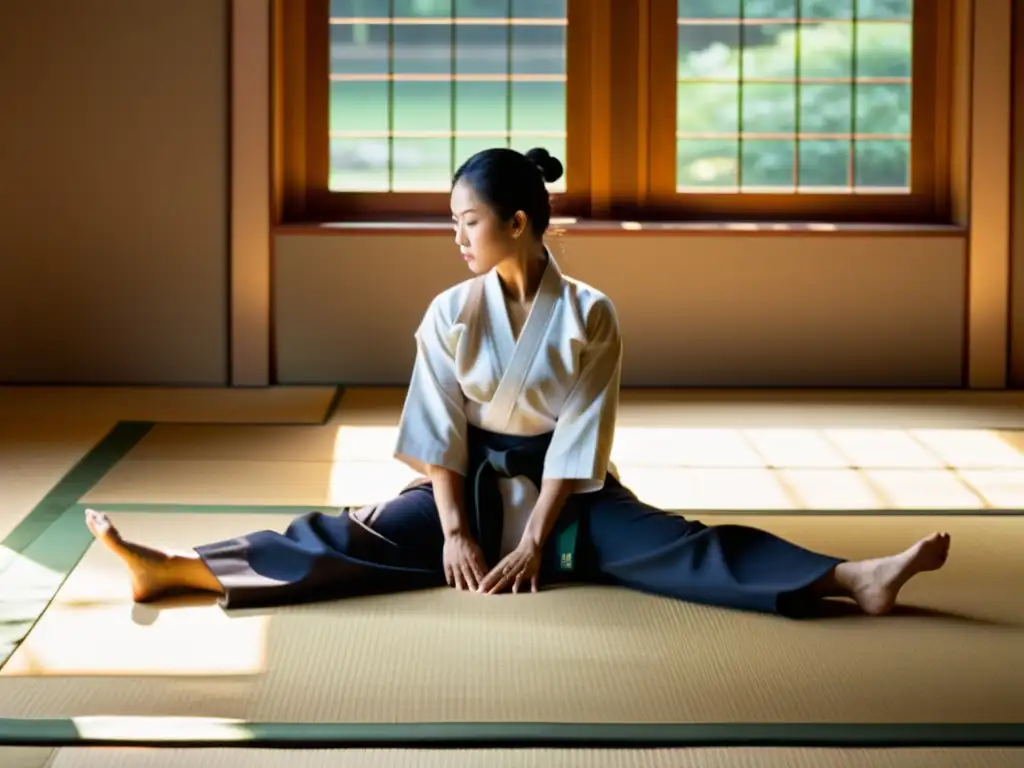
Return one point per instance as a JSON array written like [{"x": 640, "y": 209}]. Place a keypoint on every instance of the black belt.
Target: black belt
[{"x": 493, "y": 456}]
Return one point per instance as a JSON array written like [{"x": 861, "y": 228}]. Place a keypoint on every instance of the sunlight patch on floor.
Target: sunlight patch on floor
[
  {"x": 117, "y": 640},
  {"x": 761, "y": 468},
  {"x": 93, "y": 627}
]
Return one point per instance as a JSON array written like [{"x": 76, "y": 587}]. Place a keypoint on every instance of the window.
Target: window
[
  {"x": 802, "y": 107},
  {"x": 381, "y": 100},
  {"x": 414, "y": 91},
  {"x": 681, "y": 109}
]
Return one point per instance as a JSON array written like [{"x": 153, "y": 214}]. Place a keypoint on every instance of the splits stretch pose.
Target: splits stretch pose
[{"x": 508, "y": 421}]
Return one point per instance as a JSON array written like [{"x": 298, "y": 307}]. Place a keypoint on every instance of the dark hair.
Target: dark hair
[{"x": 509, "y": 181}]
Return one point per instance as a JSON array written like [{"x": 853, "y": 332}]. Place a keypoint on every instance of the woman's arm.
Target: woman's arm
[
  {"x": 553, "y": 494},
  {"x": 581, "y": 443},
  {"x": 462, "y": 559},
  {"x": 448, "y": 498}
]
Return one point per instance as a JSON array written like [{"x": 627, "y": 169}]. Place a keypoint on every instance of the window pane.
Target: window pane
[
  {"x": 882, "y": 165},
  {"x": 421, "y": 49},
  {"x": 821, "y": 100},
  {"x": 709, "y": 9},
  {"x": 707, "y": 108},
  {"x": 707, "y": 165},
  {"x": 708, "y": 51},
  {"x": 824, "y": 166},
  {"x": 826, "y": 51},
  {"x": 481, "y": 49},
  {"x": 769, "y": 108},
  {"x": 769, "y": 51},
  {"x": 421, "y": 164},
  {"x": 885, "y": 9},
  {"x": 422, "y": 106},
  {"x": 768, "y": 165},
  {"x": 538, "y": 106},
  {"x": 828, "y": 9},
  {"x": 482, "y": 107},
  {"x": 538, "y": 50},
  {"x": 358, "y": 49},
  {"x": 770, "y": 9},
  {"x": 883, "y": 109},
  {"x": 826, "y": 108},
  {"x": 884, "y": 49},
  {"x": 414, "y": 94},
  {"x": 359, "y": 165},
  {"x": 359, "y": 108},
  {"x": 548, "y": 9}
]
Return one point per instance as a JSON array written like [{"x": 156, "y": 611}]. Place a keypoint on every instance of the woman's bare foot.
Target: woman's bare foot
[
  {"x": 149, "y": 568},
  {"x": 875, "y": 584}
]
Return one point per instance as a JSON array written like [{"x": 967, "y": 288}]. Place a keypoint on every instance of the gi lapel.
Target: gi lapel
[{"x": 499, "y": 411}]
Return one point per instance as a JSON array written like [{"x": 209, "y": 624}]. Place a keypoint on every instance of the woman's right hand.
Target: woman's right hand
[{"x": 464, "y": 566}]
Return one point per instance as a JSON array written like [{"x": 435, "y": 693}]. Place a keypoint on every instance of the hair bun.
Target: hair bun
[{"x": 550, "y": 167}]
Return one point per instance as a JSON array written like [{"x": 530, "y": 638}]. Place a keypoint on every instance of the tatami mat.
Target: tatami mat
[
  {"x": 47, "y": 430},
  {"x": 26, "y": 757},
  {"x": 512, "y": 758},
  {"x": 576, "y": 654},
  {"x": 266, "y": 483},
  {"x": 685, "y": 468},
  {"x": 903, "y": 409},
  {"x": 33, "y": 459},
  {"x": 778, "y": 408},
  {"x": 246, "y": 405}
]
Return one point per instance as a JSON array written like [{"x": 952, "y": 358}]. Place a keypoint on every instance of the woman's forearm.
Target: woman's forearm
[
  {"x": 553, "y": 495},
  {"x": 448, "y": 498}
]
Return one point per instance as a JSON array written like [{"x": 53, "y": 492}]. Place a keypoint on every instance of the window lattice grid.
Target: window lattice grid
[
  {"x": 783, "y": 96},
  {"x": 417, "y": 86}
]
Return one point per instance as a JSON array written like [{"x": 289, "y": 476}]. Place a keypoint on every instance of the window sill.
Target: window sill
[{"x": 560, "y": 227}]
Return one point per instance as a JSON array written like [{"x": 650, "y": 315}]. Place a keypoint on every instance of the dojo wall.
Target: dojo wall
[
  {"x": 115, "y": 252},
  {"x": 695, "y": 310},
  {"x": 114, "y": 191}
]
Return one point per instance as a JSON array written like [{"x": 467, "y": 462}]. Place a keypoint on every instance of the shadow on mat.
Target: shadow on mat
[
  {"x": 145, "y": 614},
  {"x": 838, "y": 609}
]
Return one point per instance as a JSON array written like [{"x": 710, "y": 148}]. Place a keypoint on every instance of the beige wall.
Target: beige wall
[
  {"x": 113, "y": 191},
  {"x": 743, "y": 310},
  {"x": 114, "y": 253}
]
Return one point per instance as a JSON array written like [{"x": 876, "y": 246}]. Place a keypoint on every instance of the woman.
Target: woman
[{"x": 509, "y": 420}]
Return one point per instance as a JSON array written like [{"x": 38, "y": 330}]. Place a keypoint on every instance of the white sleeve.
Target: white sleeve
[
  {"x": 581, "y": 445},
  {"x": 432, "y": 430}
]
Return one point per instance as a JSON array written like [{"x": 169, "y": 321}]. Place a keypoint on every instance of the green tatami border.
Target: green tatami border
[
  {"x": 172, "y": 732},
  {"x": 42, "y": 550},
  {"x": 78, "y": 481}
]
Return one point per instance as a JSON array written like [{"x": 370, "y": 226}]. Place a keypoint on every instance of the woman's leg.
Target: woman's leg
[
  {"x": 387, "y": 547},
  {"x": 639, "y": 546},
  {"x": 153, "y": 572},
  {"x": 875, "y": 584}
]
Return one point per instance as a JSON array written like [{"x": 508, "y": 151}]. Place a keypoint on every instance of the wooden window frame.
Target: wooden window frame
[
  {"x": 301, "y": 110},
  {"x": 928, "y": 202},
  {"x": 620, "y": 124}
]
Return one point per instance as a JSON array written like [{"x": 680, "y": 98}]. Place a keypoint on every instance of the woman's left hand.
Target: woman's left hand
[{"x": 518, "y": 568}]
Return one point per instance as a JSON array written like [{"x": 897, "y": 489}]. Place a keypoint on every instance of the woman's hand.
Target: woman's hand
[
  {"x": 464, "y": 565},
  {"x": 518, "y": 568}
]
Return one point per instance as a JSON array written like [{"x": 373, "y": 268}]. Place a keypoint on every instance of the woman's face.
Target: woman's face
[{"x": 483, "y": 238}]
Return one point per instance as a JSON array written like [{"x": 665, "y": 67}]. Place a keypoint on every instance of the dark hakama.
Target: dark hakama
[{"x": 608, "y": 536}]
